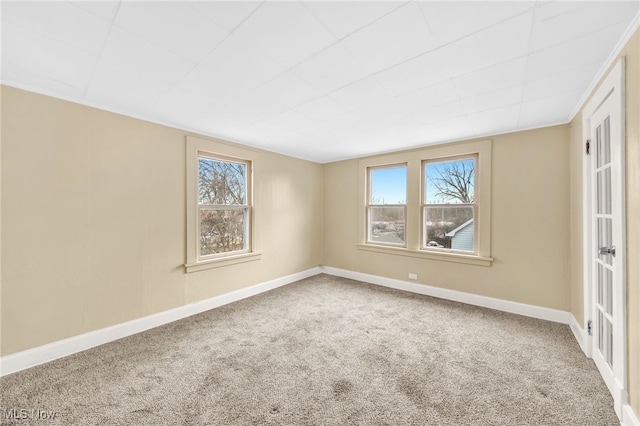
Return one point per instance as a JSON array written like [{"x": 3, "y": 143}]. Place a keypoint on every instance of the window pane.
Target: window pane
[
  {"x": 386, "y": 225},
  {"x": 603, "y": 190},
  {"x": 450, "y": 182},
  {"x": 221, "y": 182},
  {"x": 449, "y": 227},
  {"x": 604, "y": 233},
  {"x": 222, "y": 231},
  {"x": 388, "y": 185}
]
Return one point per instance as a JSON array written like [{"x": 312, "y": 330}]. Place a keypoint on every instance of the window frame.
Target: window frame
[
  {"x": 244, "y": 207},
  {"x": 413, "y": 228},
  {"x": 370, "y": 205},
  {"x": 225, "y": 151},
  {"x": 424, "y": 205}
]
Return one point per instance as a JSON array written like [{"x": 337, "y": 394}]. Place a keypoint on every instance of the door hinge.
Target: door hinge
[
  {"x": 589, "y": 327},
  {"x": 588, "y": 146}
]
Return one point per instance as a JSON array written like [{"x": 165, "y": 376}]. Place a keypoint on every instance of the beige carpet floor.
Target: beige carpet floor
[{"x": 325, "y": 351}]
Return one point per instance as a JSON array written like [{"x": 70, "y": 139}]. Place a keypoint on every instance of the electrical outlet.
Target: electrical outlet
[{"x": 413, "y": 276}]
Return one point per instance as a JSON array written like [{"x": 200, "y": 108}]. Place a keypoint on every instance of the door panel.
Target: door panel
[
  {"x": 604, "y": 233},
  {"x": 603, "y": 260}
]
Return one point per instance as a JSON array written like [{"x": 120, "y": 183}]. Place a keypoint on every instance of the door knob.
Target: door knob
[{"x": 607, "y": 250}]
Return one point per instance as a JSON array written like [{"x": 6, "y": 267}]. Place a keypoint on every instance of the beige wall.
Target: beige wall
[
  {"x": 93, "y": 221},
  {"x": 631, "y": 51},
  {"x": 529, "y": 226}
]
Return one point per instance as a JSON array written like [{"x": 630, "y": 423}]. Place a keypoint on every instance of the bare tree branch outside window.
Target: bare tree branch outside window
[
  {"x": 450, "y": 192},
  {"x": 454, "y": 181},
  {"x": 222, "y": 197}
]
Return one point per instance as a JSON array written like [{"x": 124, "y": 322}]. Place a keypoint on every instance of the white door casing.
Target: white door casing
[{"x": 604, "y": 233}]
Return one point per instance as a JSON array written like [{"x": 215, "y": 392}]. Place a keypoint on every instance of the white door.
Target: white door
[{"x": 604, "y": 245}]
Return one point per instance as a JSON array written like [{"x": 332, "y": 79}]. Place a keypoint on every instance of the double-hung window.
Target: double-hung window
[
  {"x": 449, "y": 205},
  {"x": 386, "y": 205},
  {"x": 222, "y": 228},
  {"x": 223, "y": 206},
  {"x": 432, "y": 203}
]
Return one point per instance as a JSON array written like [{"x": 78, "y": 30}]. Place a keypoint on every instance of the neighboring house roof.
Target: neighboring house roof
[{"x": 459, "y": 228}]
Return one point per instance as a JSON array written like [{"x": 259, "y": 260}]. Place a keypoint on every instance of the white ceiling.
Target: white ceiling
[{"x": 319, "y": 80}]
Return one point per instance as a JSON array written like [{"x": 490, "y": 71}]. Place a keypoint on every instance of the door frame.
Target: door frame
[{"x": 612, "y": 87}]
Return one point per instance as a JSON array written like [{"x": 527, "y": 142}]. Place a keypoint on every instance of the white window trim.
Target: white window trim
[
  {"x": 413, "y": 233},
  {"x": 216, "y": 149}
]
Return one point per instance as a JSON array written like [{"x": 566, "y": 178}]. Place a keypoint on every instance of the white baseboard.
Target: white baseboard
[
  {"x": 629, "y": 418},
  {"x": 578, "y": 333},
  {"x": 49, "y": 352},
  {"x": 533, "y": 311}
]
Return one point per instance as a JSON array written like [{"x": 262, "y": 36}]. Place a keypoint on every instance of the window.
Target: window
[
  {"x": 449, "y": 204},
  {"x": 223, "y": 205},
  {"x": 387, "y": 205},
  {"x": 222, "y": 227},
  {"x": 432, "y": 203}
]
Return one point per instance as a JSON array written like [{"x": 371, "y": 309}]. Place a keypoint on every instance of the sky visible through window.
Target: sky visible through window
[{"x": 389, "y": 185}]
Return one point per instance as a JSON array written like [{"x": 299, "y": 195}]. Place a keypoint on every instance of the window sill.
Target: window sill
[
  {"x": 468, "y": 259},
  {"x": 221, "y": 261}
]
